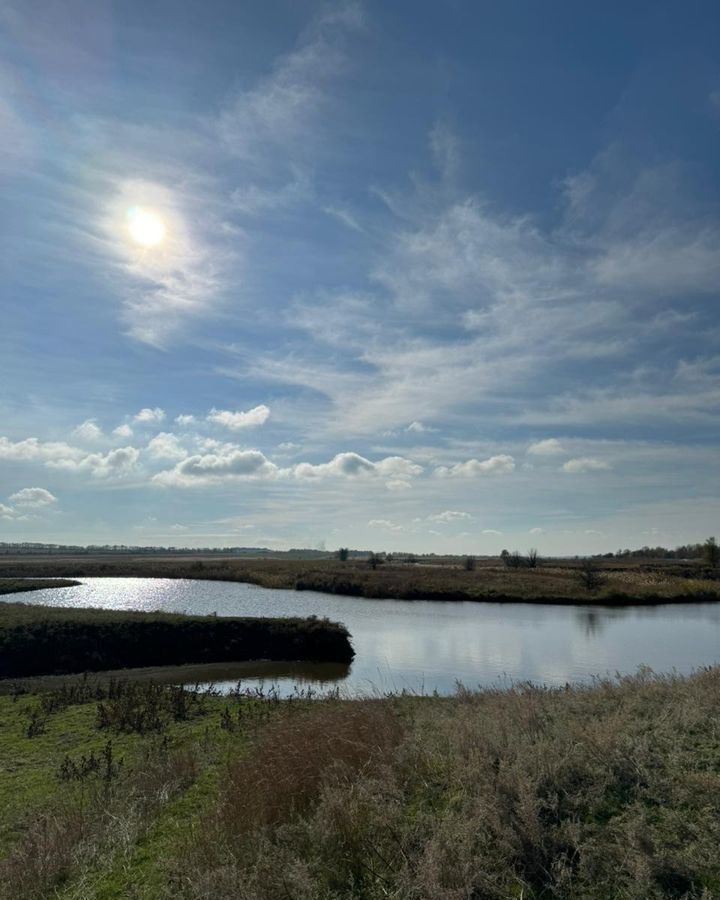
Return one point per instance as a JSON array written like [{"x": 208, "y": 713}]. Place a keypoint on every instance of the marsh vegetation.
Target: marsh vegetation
[
  {"x": 45, "y": 640},
  {"x": 531, "y": 580},
  {"x": 584, "y": 792}
]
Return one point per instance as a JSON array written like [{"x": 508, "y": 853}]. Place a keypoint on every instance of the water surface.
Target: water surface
[{"x": 428, "y": 645}]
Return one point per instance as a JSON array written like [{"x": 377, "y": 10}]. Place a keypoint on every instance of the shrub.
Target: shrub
[
  {"x": 711, "y": 552},
  {"x": 590, "y": 576}
]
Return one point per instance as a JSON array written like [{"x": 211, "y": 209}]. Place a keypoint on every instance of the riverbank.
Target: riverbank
[
  {"x": 583, "y": 792},
  {"x": 21, "y": 585},
  {"x": 47, "y": 640},
  {"x": 554, "y": 582}
]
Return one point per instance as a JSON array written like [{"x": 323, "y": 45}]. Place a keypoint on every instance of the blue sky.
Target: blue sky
[{"x": 428, "y": 276}]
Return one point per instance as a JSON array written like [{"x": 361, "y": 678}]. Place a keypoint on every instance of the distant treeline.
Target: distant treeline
[
  {"x": 37, "y": 640},
  {"x": 686, "y": 551}
]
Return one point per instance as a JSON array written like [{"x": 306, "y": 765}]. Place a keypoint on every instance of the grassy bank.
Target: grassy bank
[
  {"x": 20, "y": 585},
  {"x": 553, "y": 582},
  {"x": 43, "y": 640},
  {"x": 609, "y": 791}
]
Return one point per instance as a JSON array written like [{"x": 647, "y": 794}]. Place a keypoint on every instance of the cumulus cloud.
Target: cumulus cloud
[
  {"x": 352, "y": 465},
  {"x": 212, "y": 468},
  {"x": 166, "y": 446},
  {"x": 450, "y": 515},
  {"x": 115, "y": 464},
  {"x": 384, "y": 523},
  {"x": 491, "y": 531},
  {"x": 184, "y": 419},
  {"x": 537, "y": 531},
  {"x": 495, "y": 465},
  {"x": 235, "y": 421},
  {"x": 149, "y": 416},
  {"x": 585, "y": 464},
  {"x": 123, "y": 431},
  {"x": 32, "y": 498},
  {"x": 6, "y": 512},
  {"x": 43, "y": 451},
  {"x": 88, "y": 431},
  {"x": 548, "y": 447}
]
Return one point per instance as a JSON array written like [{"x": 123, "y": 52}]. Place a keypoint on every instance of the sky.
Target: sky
[{"x": 436, "y": 277}]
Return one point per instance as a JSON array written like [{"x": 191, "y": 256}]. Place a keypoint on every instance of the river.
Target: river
[{"x": 426, "y": 646}]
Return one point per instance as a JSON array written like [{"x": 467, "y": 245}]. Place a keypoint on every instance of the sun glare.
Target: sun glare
[{"x": 146, "y": 228}]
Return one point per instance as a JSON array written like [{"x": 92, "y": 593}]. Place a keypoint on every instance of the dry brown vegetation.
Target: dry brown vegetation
[
  {"x": 551, "y": 582},
  {"x": 582, "y": 793},
  {"x": 608, "y": 792}
]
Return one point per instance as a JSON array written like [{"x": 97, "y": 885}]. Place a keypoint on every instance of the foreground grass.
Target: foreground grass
[
  {"x": 20, "y": 585},
  {"x": 46, "y": 640},
  {"x": 553, "y": 582},
  {"x": 609, "y": 791}
]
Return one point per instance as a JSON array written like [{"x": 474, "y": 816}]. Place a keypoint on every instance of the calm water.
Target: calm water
[{"x": 427, "y": 646}]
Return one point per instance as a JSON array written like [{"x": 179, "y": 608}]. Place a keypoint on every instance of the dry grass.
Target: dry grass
[
  {"x": 604, "y": 792},
  {"x": 554, "y": 581},
  {"x": 279, "y": 783},
  {"x": 93, "y": 823}
]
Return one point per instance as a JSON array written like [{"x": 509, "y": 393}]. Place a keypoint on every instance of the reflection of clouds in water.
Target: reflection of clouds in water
[{"x": 426, "y": 646}]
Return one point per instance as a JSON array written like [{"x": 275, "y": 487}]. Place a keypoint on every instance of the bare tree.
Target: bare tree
[
  {"x": 374, "y": 560},
  {"x": 343, "y": 554},
  {"x": 469, "y": 564},
  {"x": 532, "y": 560}
]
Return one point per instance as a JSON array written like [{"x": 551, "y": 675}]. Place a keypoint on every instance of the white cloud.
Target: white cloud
[
  {"x": 398, "y": 484},
  {"x": 253, "y": 199},
  {"x": 491, "y": 531},
  {"x": 184, "y": 419},
  {"x": 33, "y": 449},
  {"x": 33, "y": 498},
  {"x": 495, "y": 465},
  {"x": 450, "y": 515},
  {"x": 585, "y": 464},
  {"x": 149, "y": 416},
  {"x": 212, "y": 468},
  {"x": 284, "y": 107},
  {"x": 123, "y": 431},
  {"x": 115, "y": 464},
  {"x": 347, "y": 218},
  {"x": 548, "y": 447},
  {"x": 351, "y": 465},
  {"x": 537, "y": 531},
  {"x": 6, "y": 512},
  {"x": 88, "y": 431},
  {"x": 181, "y": 278},
  {"x": 166, "y": 446},
  {"x": 384, "y": 523},
  {"x": 235, "y": 421}
]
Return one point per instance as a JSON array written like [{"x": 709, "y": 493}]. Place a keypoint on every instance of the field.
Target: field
[
  {"x": 46, "y": 640},
  {"x": 552, "y": 582},
  {"x": 139, "y": 791}
]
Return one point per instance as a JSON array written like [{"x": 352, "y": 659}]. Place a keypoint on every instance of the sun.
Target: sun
[{"x": 146, "y": 227}]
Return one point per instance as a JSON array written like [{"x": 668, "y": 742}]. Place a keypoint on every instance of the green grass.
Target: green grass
[
  {"x": 46, "y": 640},
  {"x": 585, "y": 793},
  {"x": 552, "y": 582}
]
